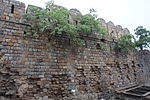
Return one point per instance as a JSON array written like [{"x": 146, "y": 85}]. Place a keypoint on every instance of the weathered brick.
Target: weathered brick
[{"x": 55, "y": 69}]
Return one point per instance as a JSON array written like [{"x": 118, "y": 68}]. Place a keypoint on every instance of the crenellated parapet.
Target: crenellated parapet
[
  {"x": 42, "y": 69},
  {"x": 114, "y": 32},
  {"x": 11, "y": 10},
  {"x": 73, "y": 16}
]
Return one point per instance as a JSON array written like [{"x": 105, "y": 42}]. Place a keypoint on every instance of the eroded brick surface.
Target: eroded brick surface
[{"x": 53, "y": 69}]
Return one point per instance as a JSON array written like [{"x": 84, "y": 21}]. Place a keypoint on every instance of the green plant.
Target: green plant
[
  {"x": 55, "y": 21},
  {"x": 101, "y": 46},
  {"x": 89, "y": 24},
  {"x": 125, "y": 43},
  {"x": 143, "y": 37}
]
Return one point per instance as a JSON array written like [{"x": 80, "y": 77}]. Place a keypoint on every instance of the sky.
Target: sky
[{"x": 127, "y": 13}]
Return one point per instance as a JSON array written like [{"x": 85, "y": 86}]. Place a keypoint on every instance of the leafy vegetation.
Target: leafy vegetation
[
  {"x": 103, "y": 47},
  {"x": 55, "y": 21},
  {"x": 125, "y": 43},
  {"x": 143, "y": 37},
  {"x": 128, "y": 42}
]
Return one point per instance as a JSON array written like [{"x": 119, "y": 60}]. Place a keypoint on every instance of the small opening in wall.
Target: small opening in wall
[
  {"x": 103, "y": 40},
  {"x": 69, "y": 41},
  {"x": 98, "y": 46},
  {"x": 133, "y": 62},
  {"x": 76, "y": 22},
  {"x": 12, "y": 9},
  {"x": 112, "y": 31},
  {"x": 86, "y": 44},
  {"x": 25, "y": 32}
]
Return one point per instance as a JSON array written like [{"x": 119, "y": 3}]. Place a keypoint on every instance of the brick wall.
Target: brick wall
[{"x": 55, "y": 68}]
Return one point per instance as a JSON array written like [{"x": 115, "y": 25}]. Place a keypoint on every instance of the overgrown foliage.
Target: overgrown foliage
[
  {"x": 128, "y": 42},
  {"x": 125, "y": 43},
  {"x": 143, "y": 37},
  {"x": 55, "y": 21}
]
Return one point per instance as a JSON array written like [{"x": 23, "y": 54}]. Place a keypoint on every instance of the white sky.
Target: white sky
[{"x": 127, "y": 13}]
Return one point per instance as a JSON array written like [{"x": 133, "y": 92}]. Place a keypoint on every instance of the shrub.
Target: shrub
[{"x": 55, "y": 21}]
